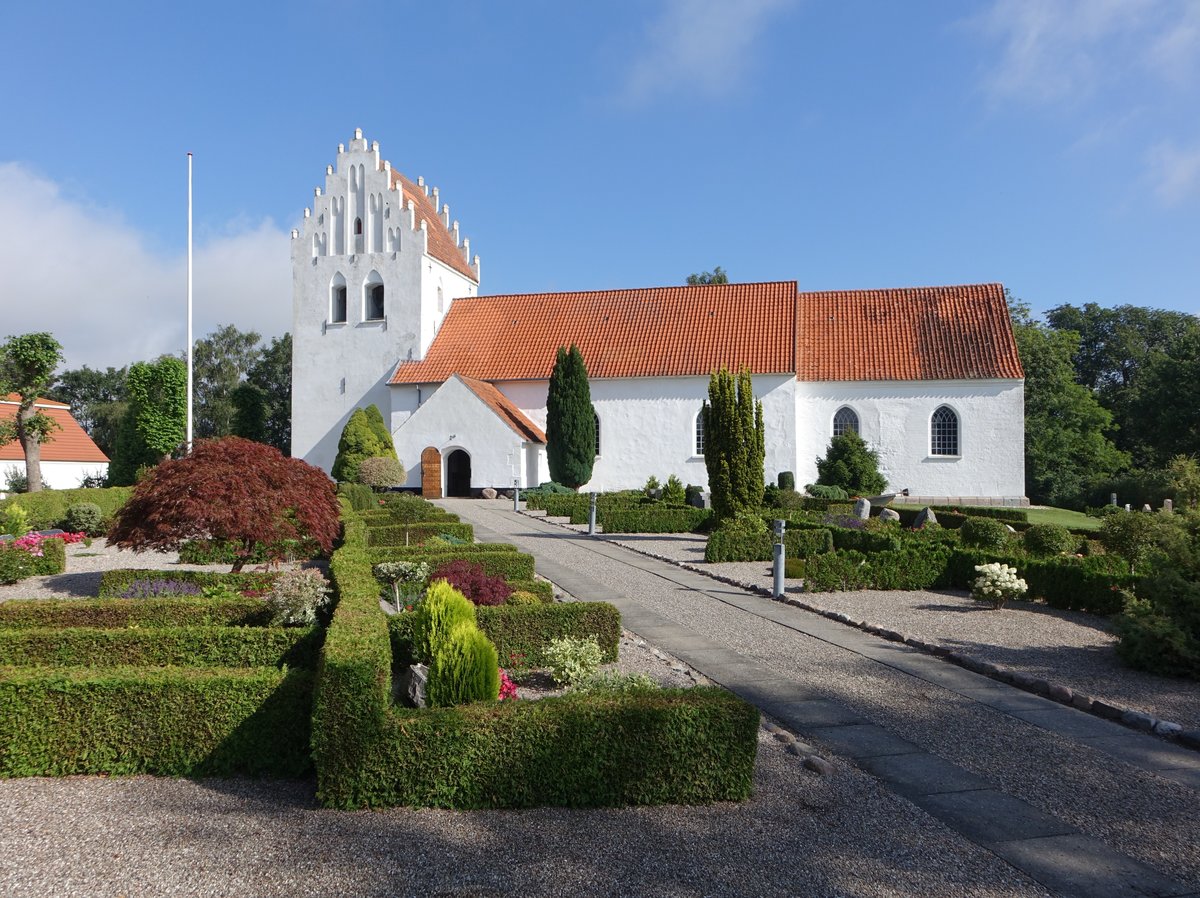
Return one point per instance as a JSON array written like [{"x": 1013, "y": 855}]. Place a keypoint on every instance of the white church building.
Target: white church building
[{"x": 386, "y": 310}]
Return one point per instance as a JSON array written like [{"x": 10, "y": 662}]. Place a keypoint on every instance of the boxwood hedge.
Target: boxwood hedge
[
  {"x": 651, "y": 519},
  {"x": 178, "y": 612},
  {"x": 115, "y": 582},
  {"x": 735, "y": 546}
]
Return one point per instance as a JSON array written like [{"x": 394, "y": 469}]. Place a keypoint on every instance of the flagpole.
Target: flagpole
[{"x": 189, "y": 309}]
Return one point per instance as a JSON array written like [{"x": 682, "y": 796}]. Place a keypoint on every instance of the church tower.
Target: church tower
[{"x": 375, "y": 267}]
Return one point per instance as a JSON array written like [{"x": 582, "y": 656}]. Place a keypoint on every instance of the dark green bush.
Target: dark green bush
[
  {"x": 161, "y": 647},
  {"x": 165, "y": 721},
  {"x": 408, "y": 508},
  {"x": 417, "y": 533},
  {"x": 84, "y": 517},
  {"x": 984, "y": 533},
  {"x": 826, "y": 491},
  {"x": 217, "y": 551},
  {"x": 113, "y": 613},
  {"x": 361, "y": 497},
  {"x": 836, "y": 571},
  {"x": 864, "y": 540},
  {"x": 652, "y": 519},
  {"x": 1159, "y": 631},
  {"x": 587, "y": 750},
  {"x": 786, "y": 481},
  {"x": 15, "y": 565},
  {"x": 115, "y": 582},
  {"x": 1049, "y": 539},
  {"x": 734, "y": 545},
  {"x": 1008, "y": 515},
  {"x": 1092, "y": 583},
  {"x": 917, "y": 567}
]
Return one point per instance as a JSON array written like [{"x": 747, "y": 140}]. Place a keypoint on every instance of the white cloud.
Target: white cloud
[
  {"x": 1175, "y": 171},
  {"x": 699, "y": 46},
  {"x": 93, "y": 281},
  {"x": 1065, "y": 49}
]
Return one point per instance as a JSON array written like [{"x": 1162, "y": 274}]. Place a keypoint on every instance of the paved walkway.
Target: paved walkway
[{"x": 1084, "y": 806}]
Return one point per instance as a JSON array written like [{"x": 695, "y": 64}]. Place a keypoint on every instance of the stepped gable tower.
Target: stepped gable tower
[{"x": 376, "y": 265}]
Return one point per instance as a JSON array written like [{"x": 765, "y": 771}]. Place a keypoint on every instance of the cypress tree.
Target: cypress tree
[
  {"x": 249, "y": 412},
  {"x": 359, "y": 440},
  {"x": 570, "y": 420},
  {"x": 734, "y": 444},
  {"x": 381, "y": 431}
]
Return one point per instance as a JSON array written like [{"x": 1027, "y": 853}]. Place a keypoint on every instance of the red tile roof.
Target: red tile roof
[
  {"x": 918, "y": 333},
  {"x": 69, "y": 444},
  {"x": 505, "y": 410},
  {"x": 653, "y": 332},
  {"x": 441, "y": 242}
]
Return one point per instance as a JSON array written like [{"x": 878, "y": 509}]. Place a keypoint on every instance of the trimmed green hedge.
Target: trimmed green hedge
[
  {"x": 510, "y": 565},
  {"x": 415, "y": 534},
  {"x": 543, "y": 589},
  {"x": 655, "y": 747},
  {"x": 1093, "y": 583},
  {"x": 161, "y": 647},
  {"x": 165, "y": 721},
  {"x": 217, "y": 551},
  {"x": 46, "y": 509},
  {"x": 113, "y": 583},
  {"x": 652, "y": 519},
  {"x": 916, "y": 567},
  {"x": 1009, "y": 515},
  {"x": 865, "y": 540},
  {"x": 734, "y": 546},
  {"x": 528, "y": 629},
  {"x": 111, "y": 613}
]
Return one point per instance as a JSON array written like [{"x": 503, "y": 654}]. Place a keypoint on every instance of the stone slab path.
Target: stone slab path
[{"x": 1083, "y": 806}]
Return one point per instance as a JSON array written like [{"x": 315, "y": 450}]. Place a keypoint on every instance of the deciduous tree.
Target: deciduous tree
[
  {"x": 27, "y": 366},
  {"x": 230, "y": 489},
  {"x": 734, "y": 444},
  {"x": 272, "y": 374},
  {"x": 220, "y": 361},
  {"x": 155, "y": 422},
  {"x": 716, "y": 276},
  {"x": 97, "y": 400},
  {"x": 570, "y": 420}
]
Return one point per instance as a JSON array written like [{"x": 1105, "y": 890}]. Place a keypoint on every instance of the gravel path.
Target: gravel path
[
  {"x": 1144, "y": 816},
  {"x": 1068, "y": 647},
  {"x": 801, "y": 833}
]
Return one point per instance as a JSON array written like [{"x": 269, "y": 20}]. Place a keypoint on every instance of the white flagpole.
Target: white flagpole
[{"x": 189, "y": 310}]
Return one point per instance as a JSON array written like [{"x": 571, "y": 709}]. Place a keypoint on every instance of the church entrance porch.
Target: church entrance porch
[
  {"x": 458, "y": 474},
  {"x": 431, "y": 473}
]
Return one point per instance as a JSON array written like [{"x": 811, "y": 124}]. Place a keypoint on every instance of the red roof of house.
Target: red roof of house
[
  {"x": 917, "y": 333},
  {"x": 441, "y": 242},
  {"x": 653, "y": 332},
  {"x": 69, "y": 444},
  {"x": 504, "y": 409}
]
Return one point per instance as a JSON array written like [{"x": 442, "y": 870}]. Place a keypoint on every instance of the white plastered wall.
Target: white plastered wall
[
  {"x": 58, "y": 475},
  {"x": 894, "y": 419}
]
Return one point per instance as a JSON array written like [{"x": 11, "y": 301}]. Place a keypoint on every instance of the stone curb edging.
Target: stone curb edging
[{"x": 1135, "y": 720}]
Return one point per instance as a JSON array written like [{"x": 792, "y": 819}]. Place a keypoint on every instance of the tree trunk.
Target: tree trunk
[{"x": 32, "y": 449}]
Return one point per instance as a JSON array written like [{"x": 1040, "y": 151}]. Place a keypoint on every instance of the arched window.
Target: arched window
[
  {"x": 845, "y": 419},
  {"x": 337, "y": 300},
  {"x": 358, "y": 235},
  {"x": 943, "y": 432},
  {"x": 597, "y": 417},
  {"x": 700, "y": 433},
  {"x": 373, "y": 307}
]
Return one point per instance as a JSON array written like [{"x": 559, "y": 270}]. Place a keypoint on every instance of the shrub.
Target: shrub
[
  {"x": 381, "y": 472},
  {"x": 362, "y": 497},
  {"x": 738, "y": 545},
  {"x": 673, "y": 492},
  {"x": 521, "y": 597},
  {"x": 473, "y": 582},
  {"x": 406, "y": 579},
  {"x": 442, "y": 609},
  {"x": 1049, "y": 539},
  {"x": 1130, "y": 534},
  {"x": 48, "y": 508},
  {"x": 220, "y": 551},
  {"x": 231, "y": 489},
  {"x": 652, "y": 487},
  {"x": 15, "y": 480},
  {"x": 826, "y": 491},
  {"x": 15, "y": 520},
  {"x": 418, "y": 533},
  {"x": 571, "y": 660},
  {"x": 850, "y": 464},
  {"x": 997, "y": 583},
  {"x": 15, "y": 564},
  {"x": 359, "y": 441},
  {"x": 464, "y": 669},
  {"x": 787, "y": 481},
  {"x": 1160, "y": 630},
  {"x": 984, "y": 533},
  {"x": 159, "y": 586},
  {"x": 652, "y": 519},
  {"x": 914, "y": 567},
  {"x": 297, "y": 597},
  {"x": 114, "y": 583},
  {"x": 142, "y": 613},
  {"x": 84, "y": 517},
  {"x": 836, "y": 571}
]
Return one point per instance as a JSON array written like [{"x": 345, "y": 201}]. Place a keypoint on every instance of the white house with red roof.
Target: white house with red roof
[
  {"x": 67, "y": 458},
  {"x": 386, "y": 311}
]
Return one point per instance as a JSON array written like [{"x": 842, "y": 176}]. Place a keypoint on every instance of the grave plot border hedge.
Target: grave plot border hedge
[
  {"x": 115, "y": 582},
  {"x": 183, "y": 611},
  {"x": 415, "y": 534},
  {"x": 725, "y": 546},
  {"x": 651, "y": 519}
]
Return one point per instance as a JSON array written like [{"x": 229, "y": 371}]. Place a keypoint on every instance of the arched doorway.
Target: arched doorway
[
  {"x": 431, "y": 473},
  {"x": 458, "y": 473}
]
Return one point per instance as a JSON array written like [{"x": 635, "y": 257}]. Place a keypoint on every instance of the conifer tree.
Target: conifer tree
[
  {"x": 734, "y": 444},
  {"x": 375, "y": 416},
  {"x": 570, "y": 421},
  {"x": 249, "y": 412},
  {"x": 359, "y": 441},
  {"x": 851, "y": 464}
]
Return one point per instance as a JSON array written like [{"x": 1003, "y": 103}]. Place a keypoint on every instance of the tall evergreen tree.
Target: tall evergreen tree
[
  {"x": 359, "y": 441},
  {"x": 734, "y": 444},
  {"x": 570, "y": 421},
  {"x": 249, "y": 412},
  {"x": 375, "y": 416}
]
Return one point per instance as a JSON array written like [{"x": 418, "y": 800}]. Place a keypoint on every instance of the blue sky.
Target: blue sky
[{"x": 1053, "y": 146}]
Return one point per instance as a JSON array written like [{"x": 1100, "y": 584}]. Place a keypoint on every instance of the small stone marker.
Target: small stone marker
[
  {"x": 489, "y": 493},
  {"x": 862, "y": 508},
  {"x": 1010, "y": 528},
  {"x": 1168, "y": 505},
  {"x": 889, "y": 514},
  {"x": 412, "y": 684},
  {"x": 925, "y": 516},
  {"x": 1147, "y": 507}
]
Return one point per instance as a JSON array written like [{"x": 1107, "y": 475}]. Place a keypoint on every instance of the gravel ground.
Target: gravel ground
[
  {"x": 148, "y": 836},
  {"x": 1068, "y": 647},
  {"x": 1144, "y": 816}
]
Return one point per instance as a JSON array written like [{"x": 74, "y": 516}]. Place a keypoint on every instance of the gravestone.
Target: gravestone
[
  {"x": 488, "y": 493},
  {"x": 1168, "y": 505},
  {"x": 862, "y": 508},
  {"x": 925, "y": 516},
  {"x": 889, "y": 514},
  {"x": 412, "y": 685}
]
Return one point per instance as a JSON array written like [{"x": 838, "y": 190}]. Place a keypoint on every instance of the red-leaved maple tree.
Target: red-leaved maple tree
[{"x": 230, "y": 489}]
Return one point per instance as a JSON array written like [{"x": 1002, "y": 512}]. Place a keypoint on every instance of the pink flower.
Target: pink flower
[{"x": 508, "y": 689}]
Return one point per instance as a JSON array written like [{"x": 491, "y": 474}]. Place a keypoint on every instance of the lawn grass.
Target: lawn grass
[{"x": 1066, "y": 517}]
